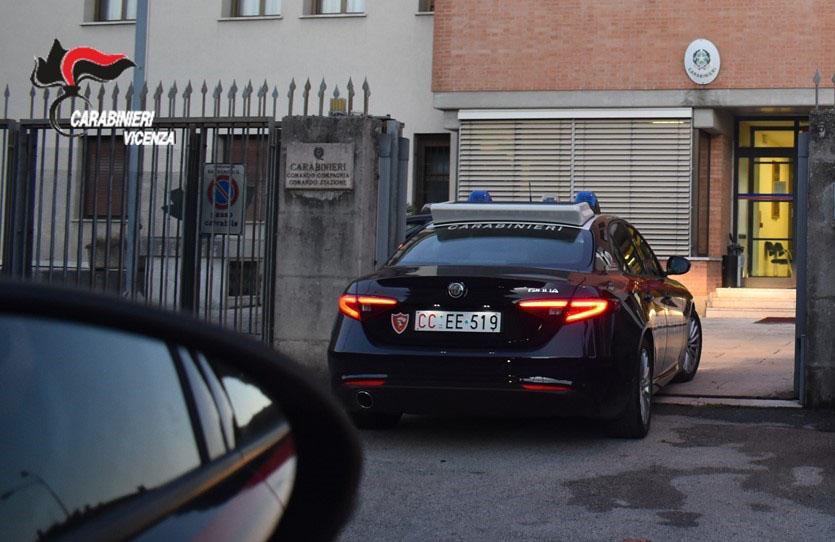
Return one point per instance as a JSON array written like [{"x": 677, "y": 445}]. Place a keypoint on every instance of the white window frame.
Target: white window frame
[{"x": 235, "y": 10}]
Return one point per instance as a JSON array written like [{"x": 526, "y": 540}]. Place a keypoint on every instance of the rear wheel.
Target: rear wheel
[
  {"x": 693, "y": 352},
  {"x": 635, "y": 420},
  {"x": 374, "y": 420}
]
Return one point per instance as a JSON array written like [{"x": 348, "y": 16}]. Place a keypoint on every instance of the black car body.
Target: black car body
[{"x": 567, "y": 302}]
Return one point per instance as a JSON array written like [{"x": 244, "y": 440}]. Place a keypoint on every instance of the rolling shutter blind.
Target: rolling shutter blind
[{"x": 639, "y": 168}]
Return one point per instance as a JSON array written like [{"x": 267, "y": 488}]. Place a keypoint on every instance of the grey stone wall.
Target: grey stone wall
[
  {"x": 325, "y": 238},
  {"x": 820, "y": 304}
]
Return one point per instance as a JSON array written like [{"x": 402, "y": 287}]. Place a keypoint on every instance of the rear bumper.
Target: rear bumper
[
  {"x": 482, "y": 385},
  {"x": 470, "y": 401}
]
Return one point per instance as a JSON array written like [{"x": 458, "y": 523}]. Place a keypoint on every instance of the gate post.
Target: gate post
[
  {"x": 819, "y": 366},
  {"x": 800, "y": 255},
  {"x": 20, "y": 200},
  {"x": 335, "y": 222},
  {"x": 190, "y": 270}
]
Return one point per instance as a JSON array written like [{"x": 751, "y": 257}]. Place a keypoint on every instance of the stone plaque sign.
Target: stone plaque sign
[
  {"x": 224, "y": 199},
  {"x": 320, "y": 166}
]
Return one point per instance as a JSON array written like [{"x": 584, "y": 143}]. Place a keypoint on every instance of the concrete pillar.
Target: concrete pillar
[
  {"x": 326, "y": 238},
  {"x": 819, "y": 370}
]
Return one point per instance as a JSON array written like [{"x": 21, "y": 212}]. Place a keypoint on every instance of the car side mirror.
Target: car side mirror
[
  {"x": 132, "y": 422},
  {"x": 677, "y": 265}
]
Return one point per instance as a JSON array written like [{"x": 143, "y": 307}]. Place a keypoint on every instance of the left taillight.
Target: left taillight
[{"x": 364, "y": 306}]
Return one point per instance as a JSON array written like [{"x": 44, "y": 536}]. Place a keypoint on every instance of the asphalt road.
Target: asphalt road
[{"x": 702, "y": 474}]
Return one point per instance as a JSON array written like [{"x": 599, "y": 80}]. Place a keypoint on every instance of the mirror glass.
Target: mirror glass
[
  {"x": 94, "y": 417},
  {"x": 677, "y": 265}
]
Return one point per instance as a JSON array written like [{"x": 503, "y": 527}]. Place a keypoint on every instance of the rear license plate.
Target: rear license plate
[{"x": 466, "y": 322}]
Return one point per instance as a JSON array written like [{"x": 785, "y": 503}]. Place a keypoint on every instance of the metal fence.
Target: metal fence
[{"x": 67, "y": 213}]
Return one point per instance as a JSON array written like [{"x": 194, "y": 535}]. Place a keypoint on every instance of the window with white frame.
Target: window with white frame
[
  {"x": 115, "y": 10},
  {"x": 338, "y": 7},
  {"x": 255, "y": 8}
]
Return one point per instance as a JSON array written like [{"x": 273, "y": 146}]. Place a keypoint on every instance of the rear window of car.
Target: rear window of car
[{"x": 512, "y": 244}]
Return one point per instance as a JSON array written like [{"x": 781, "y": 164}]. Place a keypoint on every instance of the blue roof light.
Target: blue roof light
[
  {"x": 479, "y": 196},
  {"x": 590, "y": 198}
]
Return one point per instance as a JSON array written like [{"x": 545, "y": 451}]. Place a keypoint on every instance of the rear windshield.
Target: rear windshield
[{"x": 499, "y": 243}]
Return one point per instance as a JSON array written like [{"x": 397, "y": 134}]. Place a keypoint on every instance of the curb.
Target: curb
[{"x": 726, "y": 401}]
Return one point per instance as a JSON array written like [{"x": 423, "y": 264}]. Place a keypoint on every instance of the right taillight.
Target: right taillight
[
  {"x": 580, "y": 309},
  {"x": 575, "y": 310},
  {"x": 363, "y": 306}
]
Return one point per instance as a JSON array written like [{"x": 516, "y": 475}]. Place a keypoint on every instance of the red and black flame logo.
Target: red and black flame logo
[{"x": 67, "y": 69}]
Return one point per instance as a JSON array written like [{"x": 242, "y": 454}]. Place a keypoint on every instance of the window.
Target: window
[
  {"x": 432, "y": 169},
  {"x": 253, "y": 151},
  {"x": 499, "y": 243},
  {"x": 254, "y": 411},
  {"x": 90, "y": 416},
  {"x": 104, "y": 176},
  {"x": 243, "y": 278},
  {"x": 255, "y": 8},
  {"x": 648, "y": 258},
  {"x": 116, "y": 10},
  {"x": 639, "y": 168},
  {"x": 426, "y": 6},
  {"x": 336, "y": 7},
  {"x": 628, "y": 257}
]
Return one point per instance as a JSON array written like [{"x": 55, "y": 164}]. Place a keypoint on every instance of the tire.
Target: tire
[
  {"x": 374, "y": 420},
  {"x": 635, "y": 420},
  {"x": 693, "y": 352}
]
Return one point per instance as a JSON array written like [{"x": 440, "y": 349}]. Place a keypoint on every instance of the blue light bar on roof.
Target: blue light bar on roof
[
  {"x": 590, "y": 198},
  {"x": 479, "y": 196}
]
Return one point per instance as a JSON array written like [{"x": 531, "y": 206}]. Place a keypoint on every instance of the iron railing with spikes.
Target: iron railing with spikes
[
  {"x": 213, "y": 101},
  {"x": 816, "y": 79}
]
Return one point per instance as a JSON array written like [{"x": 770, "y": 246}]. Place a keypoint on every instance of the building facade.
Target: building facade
[
  {"x": 682, "y": 116},
  {"x": 277, "y": 41}
]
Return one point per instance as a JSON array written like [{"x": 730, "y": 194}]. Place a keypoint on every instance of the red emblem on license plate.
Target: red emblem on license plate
[{"x": 399, "y": 322}]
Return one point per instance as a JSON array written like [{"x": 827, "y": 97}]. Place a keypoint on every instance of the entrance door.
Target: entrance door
[
  {"x": 769, "y": 207},
  {"x": 766, "y": 169}
]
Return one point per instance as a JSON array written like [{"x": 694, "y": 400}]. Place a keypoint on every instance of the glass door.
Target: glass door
[
  {"x": 769, "y": 209},
  {"x": 766, "y": 168}
]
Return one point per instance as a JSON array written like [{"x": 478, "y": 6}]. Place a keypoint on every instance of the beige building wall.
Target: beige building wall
[{"x": 390, "y": 45}]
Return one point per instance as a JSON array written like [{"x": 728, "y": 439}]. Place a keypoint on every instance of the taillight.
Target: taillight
[
  {"x": 581, "y": 309},
  {"x": 545, "y": 387},
  {"x": 576, "y": 309},
  {"x": 365, "y": 383},
  {"x": 362, "y": 306}
]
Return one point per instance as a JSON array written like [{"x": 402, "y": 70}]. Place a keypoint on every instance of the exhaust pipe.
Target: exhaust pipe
[{"x": 365, "y": 400}]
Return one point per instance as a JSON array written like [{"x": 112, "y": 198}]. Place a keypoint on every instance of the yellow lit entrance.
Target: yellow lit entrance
[{"x": 765, "y": 188}]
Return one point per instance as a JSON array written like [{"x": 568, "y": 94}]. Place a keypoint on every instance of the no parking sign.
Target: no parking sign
[{"x": 224, "y": 200}]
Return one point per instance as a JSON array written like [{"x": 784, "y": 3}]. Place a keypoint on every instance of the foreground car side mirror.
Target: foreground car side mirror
[
  {"x": 130, "y": 422},
  {"x": 677, "y": 265}
]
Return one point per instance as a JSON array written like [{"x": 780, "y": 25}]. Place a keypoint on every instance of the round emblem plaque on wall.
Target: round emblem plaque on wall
[{"x": 701, "y": 61}]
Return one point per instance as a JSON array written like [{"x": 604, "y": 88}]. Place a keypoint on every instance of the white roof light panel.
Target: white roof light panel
[{"x": 575, "y": 214}]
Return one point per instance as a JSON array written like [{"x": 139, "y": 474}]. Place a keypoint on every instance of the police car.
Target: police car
[{"x": 516, "y": 308}]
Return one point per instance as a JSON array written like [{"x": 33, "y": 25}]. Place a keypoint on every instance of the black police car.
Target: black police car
[{"x": 509, "y": 308}]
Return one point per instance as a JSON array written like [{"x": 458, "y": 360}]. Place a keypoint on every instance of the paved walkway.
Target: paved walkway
[{"x": 742, "y": 359}]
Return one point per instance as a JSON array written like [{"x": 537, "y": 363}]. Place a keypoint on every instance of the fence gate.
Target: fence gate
[
  {"x": 67, "y": 215},
  {"x": 198, "y": 235}
]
